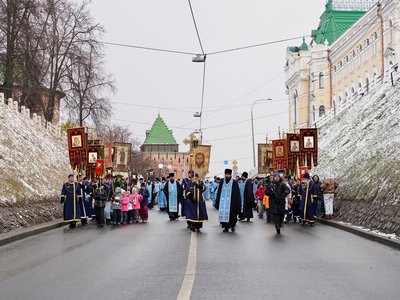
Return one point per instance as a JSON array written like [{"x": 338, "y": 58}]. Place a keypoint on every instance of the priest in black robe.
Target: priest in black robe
[
  {"x": 246, "y": 211},
  {"x": 196, "y": 212},
  {"x": 71, "y": 197},
  {"x": 228, "y": 202}
]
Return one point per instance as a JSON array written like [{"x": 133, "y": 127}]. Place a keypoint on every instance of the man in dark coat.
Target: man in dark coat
[
  {"x": 277, "y": 191},
  {"x": 228, "y": 202},
  {"x": 71, "y": 197},
  {"x": 196, "y": 212},
  {"x": 247, "y": 198},
  {"x": 173, "y": 194}
]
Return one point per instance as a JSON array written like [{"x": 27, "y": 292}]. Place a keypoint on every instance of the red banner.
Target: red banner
[
  {"x": 293, "y": 146},
  {"x": 309, "y": 147},
  {"x": 77, "y": 144},
  {"x": 108, "y": 155},
  {"x": 279, "y": 154},
  {"x": 99, "y": 167}
]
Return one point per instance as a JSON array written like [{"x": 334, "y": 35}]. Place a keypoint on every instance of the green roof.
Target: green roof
[
  {"x": 159, "y": 134},
  {"x": 304, "y": 46},
  {"x": 333, "y": 23}
]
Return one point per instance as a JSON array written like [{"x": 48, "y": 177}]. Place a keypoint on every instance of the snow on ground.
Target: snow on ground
[
  {"x": 33, "y": 162},
  {"x": 361, "y": 148}
]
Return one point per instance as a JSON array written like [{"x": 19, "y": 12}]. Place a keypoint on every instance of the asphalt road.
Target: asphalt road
[{"x": 150, "y": 261}]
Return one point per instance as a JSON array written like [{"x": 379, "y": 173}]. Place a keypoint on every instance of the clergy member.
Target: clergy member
[
  {"x": 71, "y": 197},
  {"x": 173, "y": 195},
  {"x": 228, "y": 202},
  {"x": 196, "y": 212},
  {"x": 187, "y": 185},
  {"x": 246, "y": 197}
]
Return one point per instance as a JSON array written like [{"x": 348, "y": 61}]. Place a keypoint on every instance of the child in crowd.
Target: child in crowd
[
  {"x": 135, "y": 199},
  {"x": 124, "y": 207},
  {"x": 144, "y": 213},
  {"x": 116, "y": 206}
]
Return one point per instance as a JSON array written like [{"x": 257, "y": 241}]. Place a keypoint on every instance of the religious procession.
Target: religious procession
[{"x": 111, "y": 194}]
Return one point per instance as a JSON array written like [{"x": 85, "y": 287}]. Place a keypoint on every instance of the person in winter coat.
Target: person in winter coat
[
  {"x": 329, "y": 187},
  {"x": 144, "y": 210},
  {"x": 116, "y": 207},
  {"x": 319, "y": 204},
  {"x": 124, "y": 207},
  {"x": 260, "y": 197},
  {"x": 277, "y": 191},
  {"x": 136, "y": 199}
]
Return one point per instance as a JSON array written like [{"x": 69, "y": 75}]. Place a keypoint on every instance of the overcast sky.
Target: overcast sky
[{"x": 233, "y": 80}]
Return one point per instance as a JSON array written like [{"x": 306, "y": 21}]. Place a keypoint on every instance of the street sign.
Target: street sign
[
  {"x": 226, "y": 162},
  {"x": 235, "y": 168}
]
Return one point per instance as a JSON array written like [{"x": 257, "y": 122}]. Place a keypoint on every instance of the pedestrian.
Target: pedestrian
[
  {"x": 308, "y": 195},
  {"x": 320, "y": 197},
  {"x": 124, "y": 207},
  {"x": 144, "y": 202},
  {"x": 196, "y": 213},
  {"x": 277, "y": 191},
  {"x": 87, "y": 196},
  {"x": 288, "y": 200},
  {"x": 268, "y": 213},
  {"x": 108, "y": 190},
  {"x": 296, "y": 200},
  {"x": 99, "y": 203},
  {"x": 260, "y": 198},
  {"x": 116, "y": 206},
  {"x": 173, "y": 194},
  {"x": 80, "y": 181},
  {"x": 207, "y": 193},
  {"x": 135, "y": 199},
  {"x": 162, "y": 202},
  {"x": 71, "y": 197},
  {"x": 228, "y": 202},
  {"x": 187, "y": 186},
  {"x": 329, "y": 188},
  {"x": 247, "y": 198}
]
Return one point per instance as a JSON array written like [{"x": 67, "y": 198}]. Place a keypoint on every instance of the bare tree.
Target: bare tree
[
  {"x": 14, "y": 13},
  {"x": 89, "y": 83}
]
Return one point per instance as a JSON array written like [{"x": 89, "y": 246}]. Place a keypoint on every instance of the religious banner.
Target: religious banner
[
  {"x": 264, "y": 158},
  {"x": 279, "y": 154},
  {"x": 108, "y": 155},
  {"x": 93, "y": 153},
  {"x": 99, "y": 169},
  {"x": 200, "y": 160},
  {"x": 77, "y": 144},
  {"x": 122, "y": 156},
  {"x": 293, "y": 143},
  {"x": 309, "y": 147}
]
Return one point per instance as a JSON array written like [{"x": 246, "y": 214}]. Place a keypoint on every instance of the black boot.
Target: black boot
[{"x": 278, "y": 231}]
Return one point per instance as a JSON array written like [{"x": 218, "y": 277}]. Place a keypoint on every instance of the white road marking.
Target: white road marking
[{"x": 187, "y": 284}]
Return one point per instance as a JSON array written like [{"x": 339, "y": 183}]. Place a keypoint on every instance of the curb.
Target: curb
[
  {"x": 19, "y": 234},
  {"x": 362, "y": 233}
]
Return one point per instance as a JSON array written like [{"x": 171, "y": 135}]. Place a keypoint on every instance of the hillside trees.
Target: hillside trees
[{"x": 53, "y": 45}]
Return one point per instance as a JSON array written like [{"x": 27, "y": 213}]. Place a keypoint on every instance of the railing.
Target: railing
[{"x": 344, "y": 105}]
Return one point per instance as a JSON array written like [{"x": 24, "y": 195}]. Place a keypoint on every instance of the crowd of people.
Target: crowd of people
[{"x": 280, "y": 198}]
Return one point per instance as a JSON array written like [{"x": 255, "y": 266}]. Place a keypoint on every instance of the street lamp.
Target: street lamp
[{"x": 252, "y": 127}]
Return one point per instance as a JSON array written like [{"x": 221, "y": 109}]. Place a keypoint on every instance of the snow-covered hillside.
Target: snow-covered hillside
[
  {"x": 361, "y": 148},
  {"x": 33, "y": 161}
]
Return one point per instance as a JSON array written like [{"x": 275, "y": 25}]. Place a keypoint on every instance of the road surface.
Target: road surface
[{"x": 163, "y": 260}]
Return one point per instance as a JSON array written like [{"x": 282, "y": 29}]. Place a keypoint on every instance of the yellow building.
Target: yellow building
[{"x": 354, "y": 49}]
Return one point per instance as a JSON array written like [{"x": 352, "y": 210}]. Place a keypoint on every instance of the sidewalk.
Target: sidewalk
[
  {"x": 394, "y": 243},
  {"x": 21, "y": 233}
]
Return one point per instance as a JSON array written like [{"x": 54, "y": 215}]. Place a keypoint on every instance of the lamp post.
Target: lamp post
[{"x": 252, "y": 127}]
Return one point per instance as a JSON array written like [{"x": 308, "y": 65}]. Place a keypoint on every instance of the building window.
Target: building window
[
  {"x": 353, "y": 57},
  {"x": 366, "y": 50},
  {"x": 346, "y": 96},
  {"x": 374, "y": 41},
  {"x": 359, "y": 56},
  {"x": 322, "y": 111},
  {"x": 313, "y": 113},
  {"x": 321, "y": 80},
  {"x": 390, "y": 31}
]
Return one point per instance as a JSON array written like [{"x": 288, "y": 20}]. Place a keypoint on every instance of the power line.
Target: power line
[
  {"x": 195, "y": 26},
  {"x": 147, "y": 48}
]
